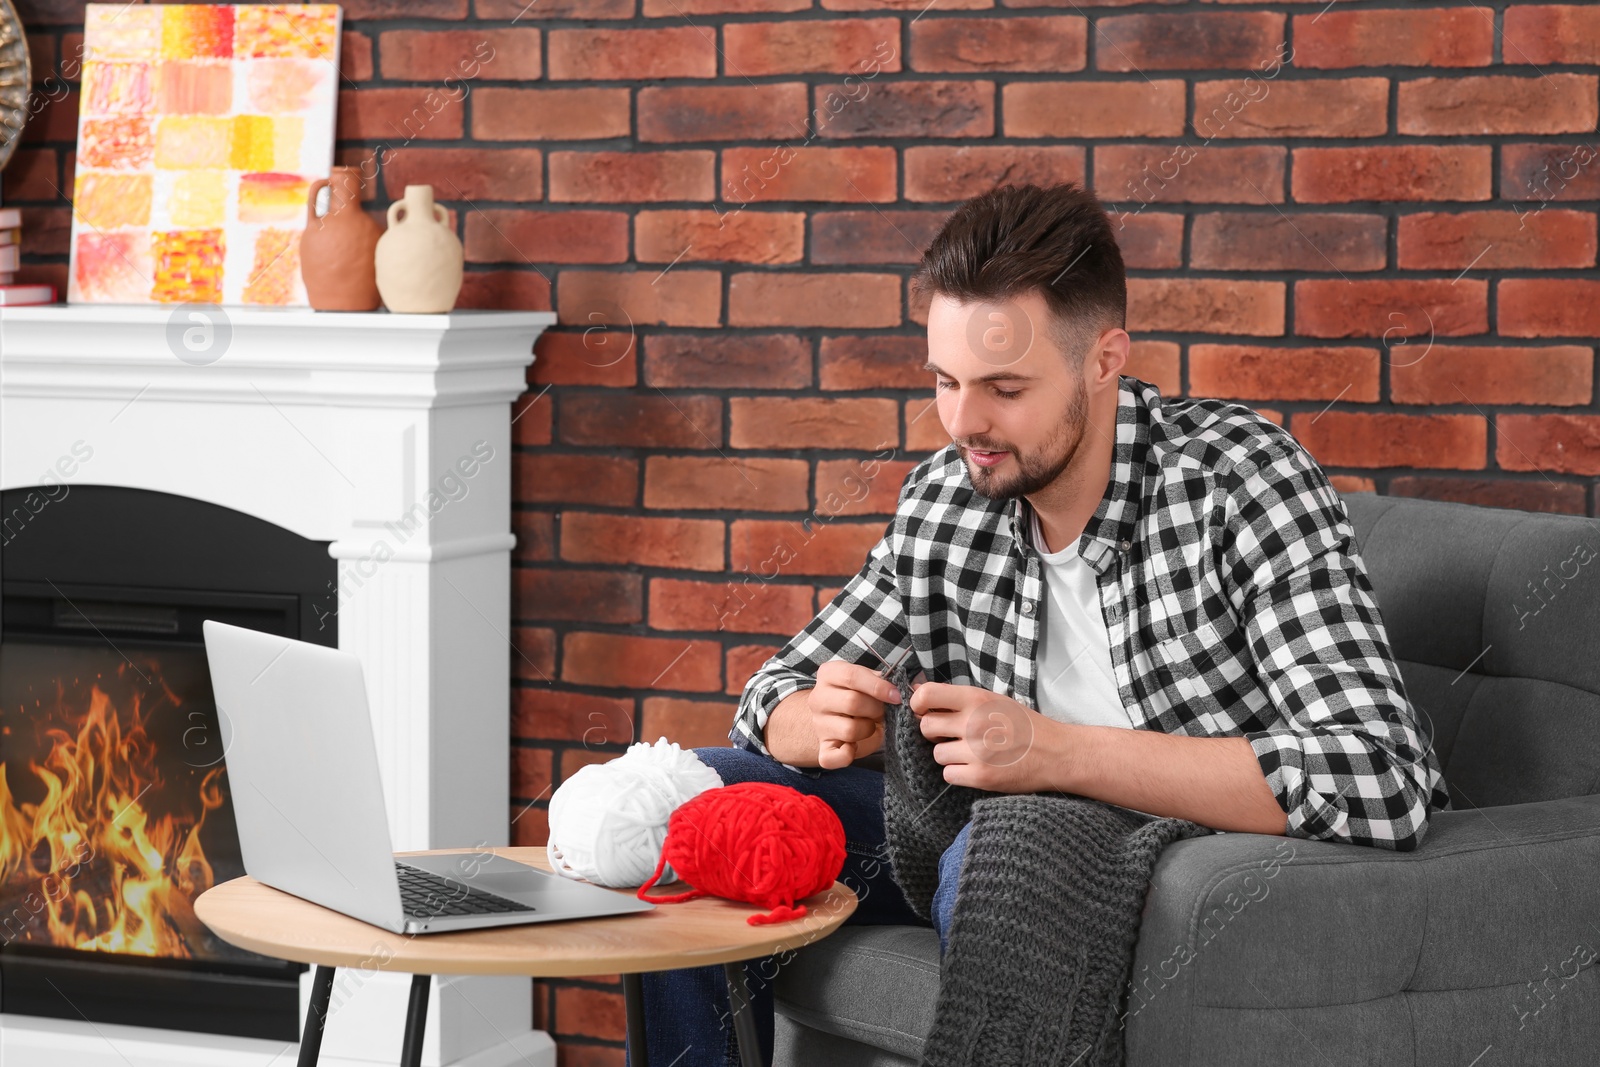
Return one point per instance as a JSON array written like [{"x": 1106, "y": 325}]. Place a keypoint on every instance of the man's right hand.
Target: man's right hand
[{"x": 847, "y": 706}]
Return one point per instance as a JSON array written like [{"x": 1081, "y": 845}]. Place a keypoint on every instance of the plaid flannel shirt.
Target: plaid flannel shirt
[{"x": 1231, "y": 587}]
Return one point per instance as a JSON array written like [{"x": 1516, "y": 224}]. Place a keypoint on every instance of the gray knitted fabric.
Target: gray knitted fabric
[{"x": 1047, "y": 910}]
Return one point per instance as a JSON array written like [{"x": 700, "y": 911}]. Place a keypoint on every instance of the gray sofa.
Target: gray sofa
[{"x": 1478, "y": 949}]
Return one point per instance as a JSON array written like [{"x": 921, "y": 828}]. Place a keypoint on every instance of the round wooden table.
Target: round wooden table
[{"x": 254, "y": 916}]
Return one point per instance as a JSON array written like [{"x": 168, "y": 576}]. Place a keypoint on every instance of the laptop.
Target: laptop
[{"x": 302, "y": 767}]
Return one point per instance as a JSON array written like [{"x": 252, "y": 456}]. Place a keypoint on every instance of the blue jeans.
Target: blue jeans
[{"x": 687, "y": 1015}]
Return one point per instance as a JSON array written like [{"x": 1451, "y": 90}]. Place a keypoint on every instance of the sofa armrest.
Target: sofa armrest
[{"x": 1241, "y": 927}]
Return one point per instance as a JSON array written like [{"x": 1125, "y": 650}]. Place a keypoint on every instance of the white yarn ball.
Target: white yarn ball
[{"x": 609, "y": 820}]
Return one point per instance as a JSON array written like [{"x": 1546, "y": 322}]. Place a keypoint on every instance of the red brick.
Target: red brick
[
  {"x": 641, "y": 420},
  {"x": 46, "y": 230},
  {"x": 1480, "y": 374},
  {"x": 355, "y": 56},
  {"x": 1551, "y": 33},
  {"x": 1541, "y": 495},
  {"x": 1548, "y": 172},
  {"x": 924, "y": 431},
  {"x": 578, "y": 595},
  {"x": 1372, "y": 308},
  {"x": 625, "y": 177},
  {"x": 466, "y": 173},
  {"x": 979, "y": 45},
  {"x": 360, "y": 10},
  {"x": 34, "y": 174},
  {"x": 673, "y": 298},
  {"x": 1547, "y": 103},
  {"x": 590, "y": 1013},
  {"x": 1205, "y": 305},
  {"x": 722, "y": 112},
  {"x": 554, "y": 478},
  {"x": 1262, "y": 373},
  {"x": 689, "y": 723},
  {"x": 1400, "y": 37},
  {"x": 573, "y": 760},
  {"x": 600, "y": 354},
  {"x": 1239, "y": 174},
  {"x": 459, "y": 55},
  {"x": 693, "y": 483},
  {"x": 1548, "y": 307},
  {"x": 948, "y": 174},
  {"x": 1560, "y": 444},
  {"x": 735, "y": 605},
  {"x": 634, "y": 662},
  {"x": 531, "y": 420},
  {"x": 1187, "y": 40},
  {"x": 42, "y": 58},
  {"x": 1390, "y": 172},
  {"x": 544, "y": 714},
  {"x": 1155, "y": 362},
  {"x": 517, "y": 10},
  {"x": 530, "y": 826},
  {"x": 812, "y": 46},
  {"x": 728, "y": 361},
  {"x": 1320, "y": 107},
  {"x": 1150, "y": 240},
  {"x": 44, "y": 274},
  {"x": 1261, "y": 241},
  {"x": 614, "y": 55},
  {"x": 56, "y": 119},
  {"x": 767, "y": 548},
  {"x": 845, "y": 300},
  {"x": 535, "y": 532},
  {"x": 730, "y": 236},
  {"x": 677, "y": 9},
  {"x": 875, "y": 362},
  {"x": 860, "y": 487},
  {"x": 401, "y": 115},
  {"x": 535, "y": 653},
  {"x": 744, "y": 661},
  {"x": 530, "y": 772},
  {"x": 905, "y": 109},
  {"x": 549, "y": 114},
  {"x": 872, "y": 237},
  {"x": 503, "y": 235},
  {"x": 813, "y": 422},
  {"x": 784, "y": 173},
  {"x": 1092, "y": 109},
  {"x": 1348, "y": 483},
  {"x": 680, "y": 544},
  {"x": 1349, "y": 439},
  {"x": 1483, "y": 240}
]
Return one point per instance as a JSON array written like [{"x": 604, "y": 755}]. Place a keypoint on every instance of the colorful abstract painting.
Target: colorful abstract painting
[{"x": 200, "y": 129}]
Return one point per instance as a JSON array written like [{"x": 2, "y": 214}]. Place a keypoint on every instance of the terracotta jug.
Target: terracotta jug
[
  {"x": 419, "y": 256},
  {"x": 336, "y": 247}
]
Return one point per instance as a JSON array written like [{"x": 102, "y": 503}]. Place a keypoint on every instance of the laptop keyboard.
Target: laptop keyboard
[{"x": 426, "y": 895}]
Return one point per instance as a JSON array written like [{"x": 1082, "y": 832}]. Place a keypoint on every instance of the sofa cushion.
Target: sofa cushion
[{"x": 873, "y": 984}]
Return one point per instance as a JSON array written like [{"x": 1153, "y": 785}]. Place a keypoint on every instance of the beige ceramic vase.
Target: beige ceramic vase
[
  {"x": 419, "y": 257},
  {"x": 336, "y": 247}
]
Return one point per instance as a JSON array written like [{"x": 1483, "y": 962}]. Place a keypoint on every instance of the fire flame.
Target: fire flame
[{"x": 90, "y": 864}]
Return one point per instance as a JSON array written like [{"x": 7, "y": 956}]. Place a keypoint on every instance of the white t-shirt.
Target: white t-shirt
[{"x": 1076, "y": 683}]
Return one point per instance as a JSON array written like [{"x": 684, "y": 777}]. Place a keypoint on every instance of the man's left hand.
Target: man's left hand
[{"x": 989, "y": 741}]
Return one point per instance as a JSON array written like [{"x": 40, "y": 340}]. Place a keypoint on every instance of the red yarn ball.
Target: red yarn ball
[{"x": 756, "y": 842}]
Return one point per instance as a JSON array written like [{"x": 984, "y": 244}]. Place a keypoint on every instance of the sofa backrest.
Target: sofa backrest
[{"x": 1494, "y": 616}]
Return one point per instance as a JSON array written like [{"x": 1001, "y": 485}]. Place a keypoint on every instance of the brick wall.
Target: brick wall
[{"x": 1375, "y": 224}]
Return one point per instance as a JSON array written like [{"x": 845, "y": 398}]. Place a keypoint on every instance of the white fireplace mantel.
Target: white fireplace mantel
[{"x": 354, "y": 428}]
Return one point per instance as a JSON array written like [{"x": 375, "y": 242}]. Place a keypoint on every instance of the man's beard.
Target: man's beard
[{"x": 1039, "y": 469}]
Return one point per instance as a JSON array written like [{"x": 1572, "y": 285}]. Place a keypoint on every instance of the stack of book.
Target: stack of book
[{"x": 12, "y": 294}]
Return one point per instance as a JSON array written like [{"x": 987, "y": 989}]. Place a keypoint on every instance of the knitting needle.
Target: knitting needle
[{"x": 831, "y": 745}]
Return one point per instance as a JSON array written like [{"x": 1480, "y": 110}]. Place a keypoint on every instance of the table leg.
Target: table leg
[
  {"x": 744, "y": 1018},
  {"x": 416, "y": 1022},
  {"x": 316, "y": 1016},
  {"x": 633, "y": 1002}
]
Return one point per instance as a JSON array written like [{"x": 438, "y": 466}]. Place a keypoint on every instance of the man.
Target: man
[{"x": 1155, "y": 603}]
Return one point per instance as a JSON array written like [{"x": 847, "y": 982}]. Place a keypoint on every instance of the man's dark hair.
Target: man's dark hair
[{"x": 1016, "y": 238}]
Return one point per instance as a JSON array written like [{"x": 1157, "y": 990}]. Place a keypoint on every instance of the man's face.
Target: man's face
[{"x": 1007, "y": 393}]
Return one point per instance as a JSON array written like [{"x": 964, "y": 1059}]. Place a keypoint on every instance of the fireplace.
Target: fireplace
[
  {"x": 115, "y": 809},
  {"x": 340, "y": 478}
]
